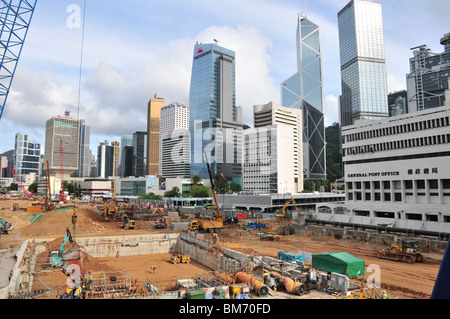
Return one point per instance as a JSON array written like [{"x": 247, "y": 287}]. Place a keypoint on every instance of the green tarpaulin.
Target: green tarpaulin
[{"x": 341, "y": 263}]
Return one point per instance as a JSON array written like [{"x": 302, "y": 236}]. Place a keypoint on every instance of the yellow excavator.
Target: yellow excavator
[{"x": 284, "y": 214}]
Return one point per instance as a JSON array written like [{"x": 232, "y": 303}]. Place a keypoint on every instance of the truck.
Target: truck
[
  {"x": 211, "y": 226},
  {"x": 254, "y": 225},
  {"x": 161, "y": 223}
]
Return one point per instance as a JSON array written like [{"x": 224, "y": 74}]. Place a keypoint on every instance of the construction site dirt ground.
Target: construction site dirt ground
[{"x": 401, "y": 280}]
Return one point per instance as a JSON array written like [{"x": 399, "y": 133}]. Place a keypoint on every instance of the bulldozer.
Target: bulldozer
[
  {"x": 406, "y": 251},
  {"x": 180, "y": 259}
]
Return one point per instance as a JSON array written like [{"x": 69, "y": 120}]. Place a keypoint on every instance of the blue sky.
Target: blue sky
[{"x": 135, "y": 49}]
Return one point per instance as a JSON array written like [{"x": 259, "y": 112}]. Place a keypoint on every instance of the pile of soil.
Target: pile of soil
[{"x": 55, "y": 223}]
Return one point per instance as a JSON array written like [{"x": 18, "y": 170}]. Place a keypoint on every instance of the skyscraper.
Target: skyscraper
[
  {"x": 62, "y": 138},
  {"x": 153, "y": 137},
  {"x": 84, "y": 161},
  {"x": 429, "y": 77},
  {"x": 215, "y": 120},
  {"x": 304, "y": 90},
  {"x": 175, "y": 141},
  {"x": 363, "y": 64},
  {"x": 105, "y": 157},
  {"x": 27, "y": 156}
]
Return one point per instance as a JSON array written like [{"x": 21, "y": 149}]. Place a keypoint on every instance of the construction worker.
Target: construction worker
[
  {"x": 215, "y": 238},
  {"x": 88, "y": 279},
  {"x": 385, "y": 296},
  {"x": 153, "y": 269}
]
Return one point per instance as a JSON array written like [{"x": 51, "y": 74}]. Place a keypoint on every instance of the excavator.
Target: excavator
[
  {"x": 58, "y": 258},
  {"x": 5, "y": 227},
  {"x": 406, "y": 251},
  {"x": 284, "y": 214},
  {"x": 216, "y": 224}
]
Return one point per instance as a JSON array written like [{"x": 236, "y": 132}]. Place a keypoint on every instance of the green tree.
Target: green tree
[
  {"x": 222, "y": 186},
  {"x": 235, "y": 187},
  {"x": 33, "y": 188},
  {"x": 307, "y": 186},
  {"x": 13, "y": 187},
  {"x": 151, "y": 196},
  {"x": 196, "y": 180},
  {"x": 334, "y": 156},
  {"x": 200, "y": 191},
  {"x": 175, "y": 192}
]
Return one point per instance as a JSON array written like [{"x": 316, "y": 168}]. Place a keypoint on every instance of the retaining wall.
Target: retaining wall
[
  {"x": 437, "y": 246},
  {"x": 133, "y": 245}
]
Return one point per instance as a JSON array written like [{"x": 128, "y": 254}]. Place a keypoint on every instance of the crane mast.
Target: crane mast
[{"x": 15, "y": 18}]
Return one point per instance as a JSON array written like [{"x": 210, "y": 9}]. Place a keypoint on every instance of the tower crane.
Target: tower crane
[{"x": 15, "y": 18}]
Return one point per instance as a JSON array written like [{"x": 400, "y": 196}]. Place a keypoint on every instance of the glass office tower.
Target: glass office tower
[
  {"x": 363, "y": 64},
  {"x": 304, "y": 90},
  {"x": 215, "y": 121}
]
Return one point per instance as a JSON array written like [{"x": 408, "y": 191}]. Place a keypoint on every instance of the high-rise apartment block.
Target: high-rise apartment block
[
  {"x": 273, "y": 151},
  {"x": 215, "y": 120},
  {"x": 27, "y": 156},
  {"x": 429, "y": 76},
  {"x": 363, "y": 64},
  {"x": 153, "y": 136},
  {"x": 84, "y": 160},
  {"x": 140, "y": 151},
  {"x": 304, "y": 91},
  {"x": 62, "y": 145},
  {"x": 126, "y": 166},
  {"x": 175, "y": 141},
  {"x": 105, "y": 160}
]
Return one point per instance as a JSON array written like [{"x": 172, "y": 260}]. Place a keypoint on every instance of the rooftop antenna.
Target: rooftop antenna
[{"x": 216, "y": 41}]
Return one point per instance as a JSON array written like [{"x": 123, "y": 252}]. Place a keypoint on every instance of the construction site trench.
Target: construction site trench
[{"x": 140, "y": 259}]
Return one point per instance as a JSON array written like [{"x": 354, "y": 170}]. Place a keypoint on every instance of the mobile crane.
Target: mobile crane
[{"x": 216, "y": 224}]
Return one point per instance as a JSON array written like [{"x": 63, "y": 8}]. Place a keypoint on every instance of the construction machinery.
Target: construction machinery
[
  {"x": 178, "y": 258},
  {"x": 161, "y": 223},
  {"x": 61, "y": 168},
  {"x": 19, "y": 182},
  {"x": 216, "y": 224},
  {"x": 47, "y": 205},
  {"x": 15, "y": 18},
  {"x": 59, "y": 258},
  {"x": 128, "y": 223},
  {"x": 406, "y": 251},
  {"x": 111, "y": 210},
  {"x": 284, "y": 213},
  {"x": 5, "y": 227}
]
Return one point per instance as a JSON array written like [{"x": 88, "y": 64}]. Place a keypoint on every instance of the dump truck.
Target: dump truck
[
  {"x": 406, "y": 251},
  {"x": 211, "y": 226}
]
